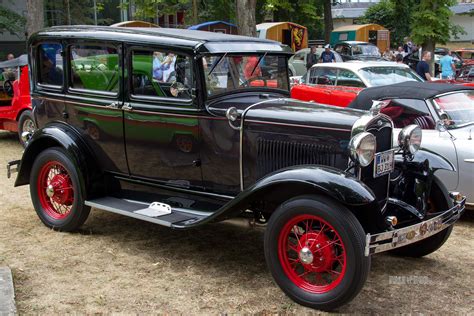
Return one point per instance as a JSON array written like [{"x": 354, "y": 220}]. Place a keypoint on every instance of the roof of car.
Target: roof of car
[
  {"x": 201, "y": 41},
  {"x": 357, "y": 65},
  {"x": 355, "y": 43},
  {"x": 403, "y": 90}
]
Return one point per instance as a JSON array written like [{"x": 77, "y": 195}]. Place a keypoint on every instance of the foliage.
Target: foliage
[
  {"x": 430, "y": 22},
  {"x": 149, "y": 9},
  {"x": 393, "y": 15},
  {"x": 11, "y": 21},
  {"x": 77, "y": 12}
]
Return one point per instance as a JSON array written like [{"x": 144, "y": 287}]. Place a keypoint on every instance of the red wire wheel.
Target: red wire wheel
[
  {"x": 55, "y": 190},
  {"x": 312, "y": 254}
]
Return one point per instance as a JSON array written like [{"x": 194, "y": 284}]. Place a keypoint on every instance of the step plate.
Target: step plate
[{"x": 128, "y": 208}]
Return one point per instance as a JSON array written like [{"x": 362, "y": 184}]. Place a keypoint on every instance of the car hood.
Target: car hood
[{"x": 291, "y": 112}]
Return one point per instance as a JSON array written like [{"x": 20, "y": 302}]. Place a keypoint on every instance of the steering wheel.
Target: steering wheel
[
  {"x": 250, "y": 80},
  {"x": 325, "y": 80},
  {"x": 8, "y": 87}
]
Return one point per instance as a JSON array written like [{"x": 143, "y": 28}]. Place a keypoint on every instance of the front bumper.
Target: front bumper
[{"x": 411, "y": 234}]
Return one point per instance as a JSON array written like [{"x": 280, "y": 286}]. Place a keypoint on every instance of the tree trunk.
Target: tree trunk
[
  {"x": 328, "y": 26},
  {"x": 245, "y": 13},
  {"x": 429, "y": 46},
  {"x": 34, "y": 16}
]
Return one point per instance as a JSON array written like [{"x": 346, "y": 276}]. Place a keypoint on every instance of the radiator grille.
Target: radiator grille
[
  {"x": 277, "y": 154},
  {"x": 384, "y": 142}
]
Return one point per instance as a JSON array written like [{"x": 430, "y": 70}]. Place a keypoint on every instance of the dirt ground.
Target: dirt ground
[{"x": 118, "y": 264}]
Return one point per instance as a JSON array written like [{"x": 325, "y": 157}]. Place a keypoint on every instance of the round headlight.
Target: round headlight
[
  {"x": 409, "y": 138},
  {"x": 362, "y": 148}
]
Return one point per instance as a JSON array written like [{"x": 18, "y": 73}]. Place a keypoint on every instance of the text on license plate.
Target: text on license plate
[{"x": 384, "y": 163}]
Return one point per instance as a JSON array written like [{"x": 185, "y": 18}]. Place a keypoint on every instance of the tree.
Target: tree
[
  {"x": 393, "y": 15},
  {"x": 34, "y": 16},
  {"x": 11, "y": 21},
  {"x": 245, "y": 14},
  {"x": 328, "y": 26},
  {"x": 150, "y": 9},
  {"x": 431, "y": 25}
]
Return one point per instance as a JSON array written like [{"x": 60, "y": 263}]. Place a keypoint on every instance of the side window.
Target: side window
[
  {"x": 338, "y": 49},
  {"x": 323, "y": 75},
  {"x": 345, "y": 50},
  {"x": 95, "y": 67},
  {"x": 50, "y": 64},
  {"x": 161, "y": 74},
  {"x": 299, "y": 56},
  {"x": 349, "y": 79}
]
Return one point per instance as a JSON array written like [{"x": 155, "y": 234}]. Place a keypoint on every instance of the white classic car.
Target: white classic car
[{"x": 445, "y": 112}]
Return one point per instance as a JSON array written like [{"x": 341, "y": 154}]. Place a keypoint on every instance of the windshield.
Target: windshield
[
  {"x": 365, "y": 50},
  {"x": 380, "y": 76},
  {"x": 456, "y": 108},
  {"x": 227, "y": 73}
]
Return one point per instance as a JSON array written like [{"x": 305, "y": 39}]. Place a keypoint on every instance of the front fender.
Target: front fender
[
  {"x": 57, "y": 135},
  {"x": 287, "y": 183}
]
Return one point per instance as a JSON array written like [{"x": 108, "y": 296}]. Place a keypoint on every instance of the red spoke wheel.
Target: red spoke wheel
[
  {"x": 312, "y": 253},
  {"x": 55, "y": 185},
  {"x": 314, "y": 248}
]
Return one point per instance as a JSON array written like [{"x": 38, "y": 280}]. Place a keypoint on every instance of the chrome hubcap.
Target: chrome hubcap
[
  {"x": 50, "y": 191},
  {"x": 306, "y": 256}
]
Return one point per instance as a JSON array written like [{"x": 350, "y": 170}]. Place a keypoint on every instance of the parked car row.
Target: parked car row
[{"x": 195, "y": 127}]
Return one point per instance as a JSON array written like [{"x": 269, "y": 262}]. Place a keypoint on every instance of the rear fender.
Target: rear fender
[{"x": 58, "y": 135}]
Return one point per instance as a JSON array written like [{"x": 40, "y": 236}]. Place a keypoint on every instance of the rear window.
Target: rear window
[
  {"x": 95, "y": 67},
  {"x": 50, "y": 64}
]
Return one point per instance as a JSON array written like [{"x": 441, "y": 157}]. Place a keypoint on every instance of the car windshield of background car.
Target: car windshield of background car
[
  {"x": 457, "y": 108},
  {"x": 228, "y": 73},
  {"x": 380, "y": 76}
]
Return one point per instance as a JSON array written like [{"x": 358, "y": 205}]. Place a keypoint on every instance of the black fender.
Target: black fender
[
  {"x": 286, "y": 183},
  {"x": 58, "y": 135}
]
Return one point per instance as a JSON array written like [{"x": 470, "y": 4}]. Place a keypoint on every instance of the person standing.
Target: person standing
[
  {"x": 311, "y": 58},
  {"x": 448, "y": 69},
  {"x": 327, "y": 56},
  {"x": 10, "y": 56},
  {"x": 401, "y": 52},
  {"x": 387, "y": 54},
  {"x": 408, "y": 46},
  {"x": 423, "y": 67}
]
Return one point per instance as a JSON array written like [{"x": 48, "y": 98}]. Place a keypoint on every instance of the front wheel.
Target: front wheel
[
  {"x": 314, "y": 248},
  {"x": 56, "y": 191}
]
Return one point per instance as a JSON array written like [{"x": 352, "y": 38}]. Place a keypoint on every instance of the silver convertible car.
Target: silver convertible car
[{"x": 445, "y": 112}]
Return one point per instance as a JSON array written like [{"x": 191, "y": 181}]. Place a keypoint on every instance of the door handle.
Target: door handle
[
  {"x": 113, "y": 105},
  {"x": 127, "y": 107},
  {"x": 471, "y": 160}
]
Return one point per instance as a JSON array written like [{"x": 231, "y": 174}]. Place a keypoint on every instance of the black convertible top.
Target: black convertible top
[{"x": 403, "y": 90}]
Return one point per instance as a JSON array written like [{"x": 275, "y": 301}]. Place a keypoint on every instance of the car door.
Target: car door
[
  {"x": 94, "y": 98},
  {"x": 161, "y": 117}
]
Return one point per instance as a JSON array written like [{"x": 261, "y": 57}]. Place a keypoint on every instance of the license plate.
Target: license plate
[{"x": 384, "y": 163}]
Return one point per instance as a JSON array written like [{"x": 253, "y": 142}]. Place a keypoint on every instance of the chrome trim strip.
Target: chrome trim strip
[{"x": 408, "y": 235}]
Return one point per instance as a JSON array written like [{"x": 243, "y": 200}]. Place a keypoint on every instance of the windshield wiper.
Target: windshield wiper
[
  {"x": 217, "y": 64},
  {"x": 258, "y": 63}
]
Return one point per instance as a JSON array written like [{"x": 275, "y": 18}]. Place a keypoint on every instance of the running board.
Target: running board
[{"x": 136, "y": 209}]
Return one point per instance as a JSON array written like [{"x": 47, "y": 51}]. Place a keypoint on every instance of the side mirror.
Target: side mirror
[
  {"x": 232, "y": 115},
  {"x": 441, "y": 126}
]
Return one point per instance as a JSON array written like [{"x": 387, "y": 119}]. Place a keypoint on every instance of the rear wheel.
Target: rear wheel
[
  {"x": 314, "y": 248},
  {"x": 56, "y": 191},
  {"x": 26, "y": 123},
  {"x": 437, "y": 203}
]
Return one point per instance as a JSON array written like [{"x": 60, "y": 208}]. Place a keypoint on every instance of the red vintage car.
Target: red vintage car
[
  {"x": 15, "y": 100},
  {"x": 339, "y": 83}
]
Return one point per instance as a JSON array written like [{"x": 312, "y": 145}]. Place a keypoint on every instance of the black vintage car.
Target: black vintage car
[{"x": 184, "y": 128}]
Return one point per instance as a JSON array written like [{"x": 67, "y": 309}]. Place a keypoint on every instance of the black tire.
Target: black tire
[
  {"x": 351, "y": 234},
  {"x": 26, "y": 119},
  {"x": 70, "y": 214},
  {"x": 426, "y": 246}
]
